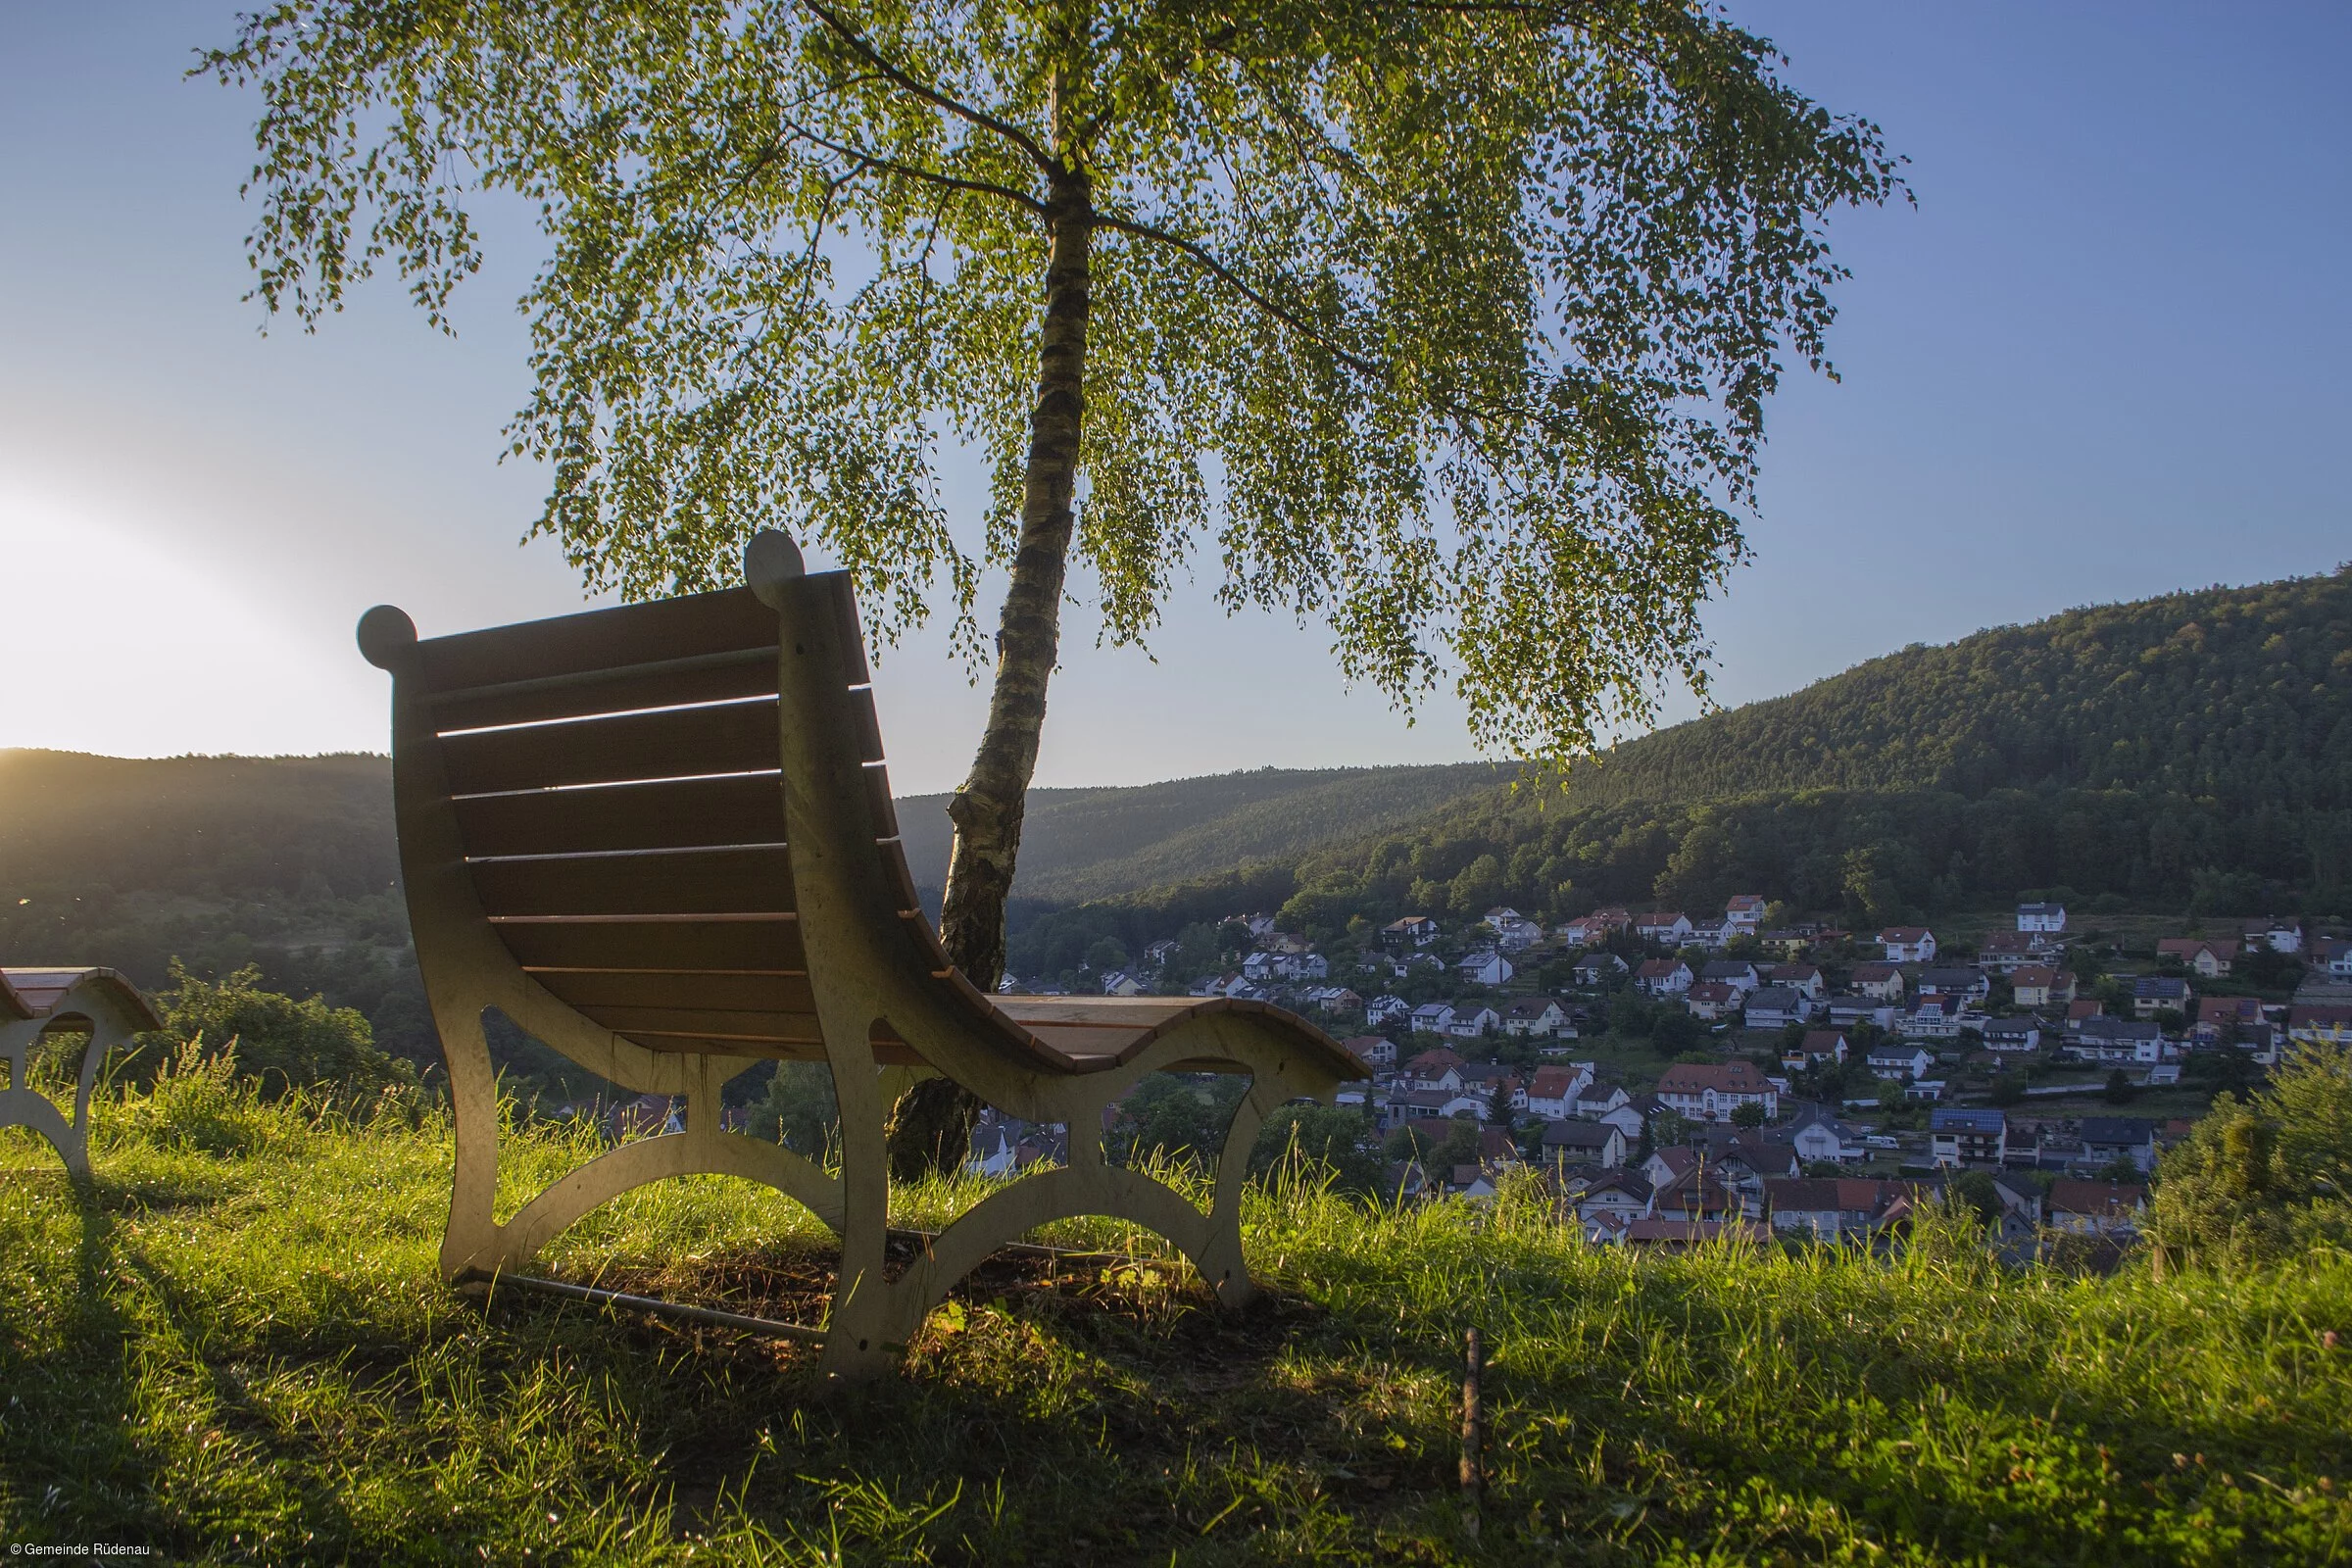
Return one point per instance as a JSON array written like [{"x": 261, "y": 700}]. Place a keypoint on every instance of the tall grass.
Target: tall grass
[{"x": 238, "y": 1351}]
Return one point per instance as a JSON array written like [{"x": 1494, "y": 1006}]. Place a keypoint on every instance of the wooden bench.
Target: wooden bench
[
  {"x": 593, "y": 814},
  {"x": 97, "y": 1003}
]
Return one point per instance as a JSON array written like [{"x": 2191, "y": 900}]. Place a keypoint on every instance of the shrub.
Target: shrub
[
  {"x": 279, "y": 1044},
  {"x": 200, "y": 1101},
  {"x": 2269, "y": 1177}
]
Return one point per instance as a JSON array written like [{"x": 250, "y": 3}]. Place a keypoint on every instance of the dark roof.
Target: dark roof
[
  {"x": 2102, "y": 1027},
  {"x": 1578, "y": 1135},
  {"x": 1966, "y": 1122},
  {"x": 2118, "y": 1130},
  {"x": 1772, "y": 997},
  {"x": 1800, "y": 1194}
]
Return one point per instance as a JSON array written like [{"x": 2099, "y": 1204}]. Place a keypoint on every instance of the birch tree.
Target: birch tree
[{"x": 1451, "y": 326}]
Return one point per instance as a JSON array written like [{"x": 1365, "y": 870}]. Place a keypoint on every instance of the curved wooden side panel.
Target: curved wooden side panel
[{"x": 113, "y": 1012}]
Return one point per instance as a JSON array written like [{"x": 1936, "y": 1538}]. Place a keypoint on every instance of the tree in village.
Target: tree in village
[{"x": 1449, "y": 324}]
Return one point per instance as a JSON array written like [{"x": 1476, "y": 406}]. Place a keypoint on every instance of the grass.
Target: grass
[{"x": 235, "y": 1350}]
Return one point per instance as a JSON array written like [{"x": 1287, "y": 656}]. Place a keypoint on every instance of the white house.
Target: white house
[
  {"x": 1512, "y": 930},
  {"x": 1472, "y": 1020},
  {"x": 1893, "y": 1061},
  {"x": 1533, "y": 1015},
  {"x": 1433, "y": 1017},
  {"x": 1385, "y": 1008},
  {"x": 1738, "y": 973},
  {"x": 1745, "y": 911},
  {"x": 1411, "y": 931},
  {"x": 2047, "y": 918},
  {"x": 1668, "y": 927},
  {"x": 1485, "y": 968},
  {"x": 1778, "y": 1006},
  {"x": 1663, "y": 977},
  {"x": 1373, "y": 1051},
  {"x": 1907, "y": 944},
  {"x": 1551, "y": 1093}
]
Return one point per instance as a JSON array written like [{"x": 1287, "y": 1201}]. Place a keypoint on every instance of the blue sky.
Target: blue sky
[{"x": 2103, "y": 358}]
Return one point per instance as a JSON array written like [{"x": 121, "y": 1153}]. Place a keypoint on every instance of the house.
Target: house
[
  {"x": 2012, "y": 1035},
  {"x": 1373, "y": 1051},
  {"x": 1907, "y": 944},
  {"x": 1159, "y": 953},
  {"x": 1778, "y": 1006},
  {"x": 1712, "y": 1000},
  {"x": 1533, "y": 1015},
  {"x": 1437, "y": 1106},
  {"x": 2152, "y": 994},
  {"x": 1386, "y": 1009},
  {"x": 1968, "y": 983},
  {"x": 1663, "y": 977},
  {"x": 2094, "y": 1208},
  {"x": 1807, "y": 1205},
  {"x": 2038, "y": 984},
  {"x": 1745, "y": 911},
  {"x": 2262, "y": 1042},
  {"x": 2048, "y": 919},
  {"x": 1411, "y": 931},
  {"x": 1489, "y": 1079},
  {"x": 2105, "y": 1039},
  {"x": 1967, "y": 1136},
  {"x": 1851, "y": 1012},
  {"x": 1821, "y": 1047},
  {"x": 1598, "y": 968},
  {"x": 1934, "y": 1018},
  {"x": 1895, "y": 1062},
  {"x": 1882, "y": 981},
  {"x": 2333, "y": 955},
  {"x": 1714, "y": 932},
  {"x": 1738, "y": 973},
  {"x": 1619, "y": 1192},
  {"x": 2108, "y": 1139},
  {"x": 1433, "y": 1017},
  {"x": 1485, "y": 968},
  {"x": 1512, "y": 930},
  {"x": 2279, "y": 936},
  {"x": 1288, "y": 944},
  {"x": 1926, "y": 1090},
  {"x": 1311, "y": 966},
  {"x": 2004, "y": 951},
  {"x": 994, "y": 1151},
  {"x": 1472, "y": 1020},
  {"x": 2221, "y": 1018},
  {"x": 1630, "y": 1117},
  {"x": 1680, "y": 1234},
  {"x": 1583, "y": 1143},
  {"x": 1121, "y": 983},
  {"x": 1804, "y": 978},
  {"x": 1262, "y": 967},
  {"x": 1595, "y": 1099},
  {"x": 2320, "y": 1025},
  {"x": 1712, "y": 1091},
  {"x": 1338, "y": 1000},
  {"x": 1551, "y": 1093},
  {"x": 1669, "y": 928},
  {"x": 1433, "y": 1069},
  {"x": 2209, "y": 959},
  {"x": 1816, "y": 1136}
]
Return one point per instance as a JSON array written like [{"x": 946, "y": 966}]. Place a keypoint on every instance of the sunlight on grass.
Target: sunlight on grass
[{"x": 239, "y": 1350}]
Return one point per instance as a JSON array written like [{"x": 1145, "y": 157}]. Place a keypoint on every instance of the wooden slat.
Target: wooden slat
[
  {"x": 674, "y": 814},
  {"x": 708, "y": 1023},
  {"x": 709, "y": 679},
  {"x": 740, "y": 737},
  {"x": 599, "y": 639},
  {"x": 725, "y": 992},
  {"x": 729, "y": 881},
  {"x": 1140, "y": 1013},
  {"x": 1074, "y": 1041},
  {"x": 734, "y": 946},
  {"x": 772, "y": 1051}
]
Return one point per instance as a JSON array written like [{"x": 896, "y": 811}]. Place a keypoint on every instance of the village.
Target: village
[{"x": 1674, "y": 1079}]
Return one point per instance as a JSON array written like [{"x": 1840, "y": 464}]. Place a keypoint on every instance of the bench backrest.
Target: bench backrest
[{"x": 611, "y": 785}]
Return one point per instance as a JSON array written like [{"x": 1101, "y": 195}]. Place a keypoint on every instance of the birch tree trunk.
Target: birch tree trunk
[{"x": 932, "y": 1124}]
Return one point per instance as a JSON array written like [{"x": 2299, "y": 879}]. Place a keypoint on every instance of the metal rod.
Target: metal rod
[{"x": 650, "y": 1303}]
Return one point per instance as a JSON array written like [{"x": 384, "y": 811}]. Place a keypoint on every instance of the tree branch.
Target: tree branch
[
  {"x": 930, "y": 94},
  {"x": 1207, "y": 263}
]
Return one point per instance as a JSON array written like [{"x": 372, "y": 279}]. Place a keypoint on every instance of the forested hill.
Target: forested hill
[
  {"x": 2188, "y": 751},
  {"x": 2240, "y": 695},
  {"x": 1099, "y": 843}
]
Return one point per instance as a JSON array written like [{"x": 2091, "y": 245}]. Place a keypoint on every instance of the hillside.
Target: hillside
[
  {"x": 243, "y": 1351},
  {"x": 2191, "y": 751},
  {"x": 1100, "y": 842}
]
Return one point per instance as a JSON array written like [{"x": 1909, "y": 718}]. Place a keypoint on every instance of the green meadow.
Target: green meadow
[{"x": 235, "y": 1349}]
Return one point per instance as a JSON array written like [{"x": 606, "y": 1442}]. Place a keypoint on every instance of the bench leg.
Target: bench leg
[
  {"x": 22, "y": 1106},
  {"x": 475, "y": 1241}
]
